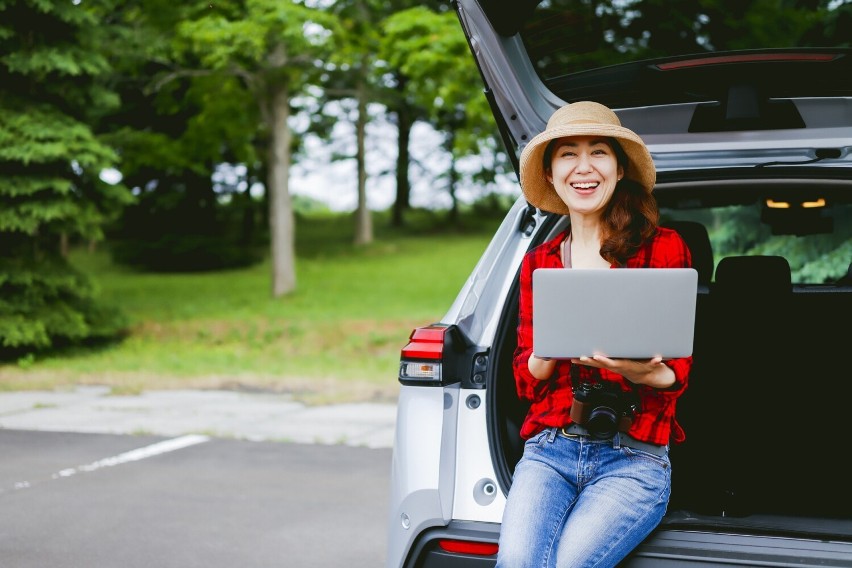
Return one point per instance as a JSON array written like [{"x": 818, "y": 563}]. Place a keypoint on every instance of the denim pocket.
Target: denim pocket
[
  {"x": 539, "y": 439},
  {"x": 643, "y": 455}
]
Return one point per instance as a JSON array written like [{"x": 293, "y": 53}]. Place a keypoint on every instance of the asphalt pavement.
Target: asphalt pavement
[{"x": 221, "y": 414}]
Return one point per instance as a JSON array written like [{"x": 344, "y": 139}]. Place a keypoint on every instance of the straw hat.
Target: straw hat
[{"x": 583, "y": 118}]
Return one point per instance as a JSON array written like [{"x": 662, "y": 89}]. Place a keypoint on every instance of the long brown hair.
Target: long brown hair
[
  {"x": 630, "y": 217},
  {"x": 629, "y": 220}
]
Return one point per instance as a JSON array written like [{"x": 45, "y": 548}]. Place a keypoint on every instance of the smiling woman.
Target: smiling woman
[{"x": 602, "y": 176}]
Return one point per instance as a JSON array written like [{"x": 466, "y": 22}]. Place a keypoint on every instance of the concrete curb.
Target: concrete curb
[{"x": 225, "y": 414}]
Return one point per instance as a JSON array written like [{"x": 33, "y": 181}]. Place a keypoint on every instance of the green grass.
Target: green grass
[{"x": 337, "y": 337}]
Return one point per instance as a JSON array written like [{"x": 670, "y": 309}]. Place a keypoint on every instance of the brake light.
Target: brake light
[
  {"x": 421, "y": 358},
  {"x": 746, "y": 58},
  {"x": 425, "y": 343},
  {"x": 469, "y": 547}
]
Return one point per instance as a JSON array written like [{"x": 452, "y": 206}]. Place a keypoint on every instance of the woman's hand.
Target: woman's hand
[{"x": 651, "y": 372}]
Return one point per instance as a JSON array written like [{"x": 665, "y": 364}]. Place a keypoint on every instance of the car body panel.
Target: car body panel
[
  {"x": 478, "y": 495},
  {"x": 676, "y": 548},
  {"x": 479, "y": 304},
  {"x": 423, "y": 476}
]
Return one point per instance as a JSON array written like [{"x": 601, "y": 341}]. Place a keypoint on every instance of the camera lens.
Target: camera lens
[{"x": 602, "y": 423}]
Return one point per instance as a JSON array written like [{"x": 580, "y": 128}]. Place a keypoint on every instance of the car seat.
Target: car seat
[{"x": 698, "y": 242}]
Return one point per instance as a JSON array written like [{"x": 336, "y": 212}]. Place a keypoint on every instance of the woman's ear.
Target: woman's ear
[{"x": 620, "y": 172}]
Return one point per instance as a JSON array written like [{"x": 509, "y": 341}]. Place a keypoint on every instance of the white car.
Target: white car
[{"x": 752, "y": 140}]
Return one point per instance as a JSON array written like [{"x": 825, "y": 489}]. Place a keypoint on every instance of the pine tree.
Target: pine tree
[{"x": 50, "y": 164}]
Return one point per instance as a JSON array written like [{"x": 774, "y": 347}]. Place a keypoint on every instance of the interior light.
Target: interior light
[
  {"x": 820, "y": 202},
  {"x": 777, "y": 204}
]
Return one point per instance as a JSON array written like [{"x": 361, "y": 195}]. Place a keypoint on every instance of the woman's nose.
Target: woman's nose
[{"x": 584, "y": 163}]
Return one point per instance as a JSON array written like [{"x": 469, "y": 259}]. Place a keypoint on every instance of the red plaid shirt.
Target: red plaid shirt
[{"x": 550, "y": 399}]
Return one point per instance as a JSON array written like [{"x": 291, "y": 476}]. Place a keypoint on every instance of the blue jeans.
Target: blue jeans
[{"x": 581, "y": 502}]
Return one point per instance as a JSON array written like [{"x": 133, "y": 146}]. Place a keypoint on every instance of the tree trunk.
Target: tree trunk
[
  {"x": 363, "y": 221},
  {"x": 281, "y": 220},
  {"x": 403, "y": 161},
  {"x": 454, "y": 179}
]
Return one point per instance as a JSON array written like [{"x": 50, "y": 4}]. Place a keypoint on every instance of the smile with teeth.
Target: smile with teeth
[{"x": 585, "y": 185}]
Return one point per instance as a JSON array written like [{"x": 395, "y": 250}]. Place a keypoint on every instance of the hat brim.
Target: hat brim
[{"x": 541, "y": 193}]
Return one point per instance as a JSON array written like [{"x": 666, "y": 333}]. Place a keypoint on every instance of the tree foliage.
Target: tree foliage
[
  {"x": 274, "y": 49},
  {"x": 170, "y": 93},
  {"x": 177, "y": 124},
  {"x": 50, "y": 163},
  {"x": 428, "y": 48}
]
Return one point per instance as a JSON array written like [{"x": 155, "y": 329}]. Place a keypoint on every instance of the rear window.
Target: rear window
[{"x": 563, "y": 37}]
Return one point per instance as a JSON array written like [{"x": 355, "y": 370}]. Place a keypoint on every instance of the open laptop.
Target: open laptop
[{"x": 634, "y": 313}]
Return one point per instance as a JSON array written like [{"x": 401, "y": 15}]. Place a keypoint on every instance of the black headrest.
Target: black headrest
[
  {"x": 695, "y": 235},
  {"x": 846, "y": 279},
  {"x": 764, "y": 275}
]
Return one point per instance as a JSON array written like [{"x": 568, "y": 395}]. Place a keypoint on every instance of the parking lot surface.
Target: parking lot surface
[{"x": 77, "y": 500}]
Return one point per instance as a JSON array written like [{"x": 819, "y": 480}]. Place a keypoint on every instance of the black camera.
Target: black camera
[{"x": 603, "y": 408}]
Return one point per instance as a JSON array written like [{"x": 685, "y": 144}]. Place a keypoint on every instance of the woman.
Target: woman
[{"x": 576, "y": 499}]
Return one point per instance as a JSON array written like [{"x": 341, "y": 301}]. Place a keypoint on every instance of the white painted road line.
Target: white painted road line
[
  {"x": 136, "y": 455},
  {"x": 157, "y": 449}
]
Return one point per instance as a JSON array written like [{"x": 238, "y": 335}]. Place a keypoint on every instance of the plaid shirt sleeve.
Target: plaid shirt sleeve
[
  {"x": 529, "y": 388},
  {"x": 550, "y": 399}
]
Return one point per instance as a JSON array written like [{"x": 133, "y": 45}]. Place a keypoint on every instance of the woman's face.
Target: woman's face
[{"x": 584, "y": 171}]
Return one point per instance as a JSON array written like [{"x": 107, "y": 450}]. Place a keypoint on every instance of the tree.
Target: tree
[
  {"x": 406, "y": 111},
  {"x": 429, "y": 49},
  {"x": 273, "y": 48},
  {"x": 175, "y": 131},
  {"x": 52, "y": 71},
  {"x": 359, "y": 73},
  {"x": 350, "y": 76}
]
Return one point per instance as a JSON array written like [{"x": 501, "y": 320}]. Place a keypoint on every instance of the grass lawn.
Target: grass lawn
[{"x": 337, "y": 337}]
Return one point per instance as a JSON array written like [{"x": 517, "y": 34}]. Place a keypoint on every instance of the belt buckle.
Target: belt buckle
[{"x": 564, "y": 431}]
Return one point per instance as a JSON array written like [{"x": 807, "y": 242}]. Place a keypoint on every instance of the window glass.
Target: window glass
[
  {"x": 822, "y": 256},
  {"x": 570, "y": 36}
]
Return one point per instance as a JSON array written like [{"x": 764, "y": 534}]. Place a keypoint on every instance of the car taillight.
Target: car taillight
[
  {"x": 425, "y": 342},
  {"x": 420, "y": 360},
  {"x": 441, "y": 354},
  {"x": 469, "y": 547}
]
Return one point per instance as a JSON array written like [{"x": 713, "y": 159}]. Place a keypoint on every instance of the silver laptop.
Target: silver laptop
[{"x": 635, "y": 313}]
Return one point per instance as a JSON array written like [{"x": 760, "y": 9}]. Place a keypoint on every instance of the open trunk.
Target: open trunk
[{"x": 766, "y": 409}]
